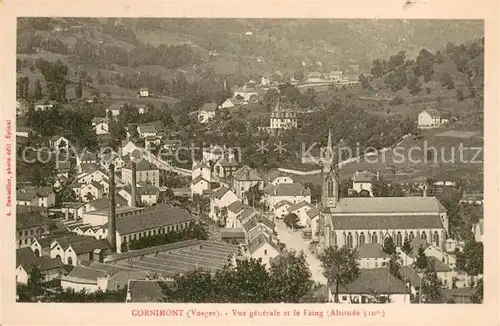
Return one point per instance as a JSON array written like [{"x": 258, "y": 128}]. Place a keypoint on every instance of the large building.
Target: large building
[
  {"x": 356, "y": 221},
  {"x": 283, "y": 118},
  {"x": 145, "y": 172}
]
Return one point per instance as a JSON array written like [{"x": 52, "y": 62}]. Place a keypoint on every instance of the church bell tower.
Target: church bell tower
[{"x": 330, "y": 179}]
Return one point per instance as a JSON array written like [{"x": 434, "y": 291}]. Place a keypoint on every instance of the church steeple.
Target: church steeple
[{"x": 330, "y": 183}]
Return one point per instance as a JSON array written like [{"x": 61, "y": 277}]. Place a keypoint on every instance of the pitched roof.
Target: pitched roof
[
  {"x": 142, "y": 165},
  {"x": 282, "y": 203},
  {"x": 246, "y": 173},
  {"x": 82, "y": 244},
  {"x": 269, "y": 189},
  {"x": 227, "y": 162},
  {"x": 201, "y": 164},
  {"x": 439, "y": 266},
  {"x": 290, "y": 189},
  {"x": 313, "y": 212},
  {"x": 364, "y": 176},
  {"x": 384, "y": 222},
  {"x": 236, "y": 207},
  {"x": 232, "y": 233},
  {"x": 160, "y": 216},
  {"x": 103, "y": 203},
  {"x": 433, "y": 112},
  {"x": 31, "y": 220},
  {"x": 259, "y": 241},
  {"x": 299, "y": 205},
  {"x": 219, "y": 193},
  {"x": 416, "y": 243},
  {"x": 410, "y": 275},
  {"x": 389, "y": 205},
  {"x": 378, "y": 280},
  {"x": 80, "y": 273},
  {"x": 89, "y": 167},
  {"x": 250, "y": 224},
  {"x": 199, "y": 179},
  {"x": 371, "y": 250},
  {"x": 97, "y": 185},
  {"x": 26, "y": 258}
]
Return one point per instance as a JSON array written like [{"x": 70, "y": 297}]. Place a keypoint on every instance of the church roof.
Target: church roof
[
  {"x": 387, "y": 205},
  {"x": 386, "y": 222}
]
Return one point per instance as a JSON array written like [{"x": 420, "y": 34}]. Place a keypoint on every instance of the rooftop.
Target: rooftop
[
  {"x": 371, "y": 250},
  {"x": 29, "y": 260},
  {"x": 377, "y": 280},
  {"x": 410, "y": 205},
  {"x": 290, "y": 190},
  {"x": 146, "y": 290},
  {"x": 382, "y": 222},
  {"x": 246, "y": 173}
]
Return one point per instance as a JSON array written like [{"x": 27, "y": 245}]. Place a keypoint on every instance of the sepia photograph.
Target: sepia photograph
[{"x": 245, "y": 160}]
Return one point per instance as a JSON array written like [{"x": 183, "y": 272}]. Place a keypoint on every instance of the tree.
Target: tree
[
  {"x": 439, "y": 59},
  {"x": 447, "y": 81},
  {"x": 414, "y": 85},
  {"x": 460, "y": 95},
  {"x": 345, "y": 185},
  {"x": 36, "y": 282},
  {"x": 421, "y": 261},
  {"x": 406, "y": 247},
  {"x": 291, "y": 220},
  {"x": 364, "y": 193},
  {"x": 379, "y": 188},
  {"x": 478, "y": 295},
  {"x": 38, "y": 91},
  {"x": 254, "y": 195},
  {"x": 79, "y": 89},
  {"x": 365, "y": 83},
  {"x": 470, "y": 260},
  {"x": 431, "y": 286},
  {"x": 284, "y": 268},
  {"x": 340, "y": 266},
  {"x": 378, "y": 69},
  {"x": 272, "y": 95},
  {"x": 124, "y": 246},
  {"x": 389, "y": 246}
]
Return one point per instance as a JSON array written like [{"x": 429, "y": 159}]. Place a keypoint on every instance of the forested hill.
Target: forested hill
[{"x": 283, "y": 44}]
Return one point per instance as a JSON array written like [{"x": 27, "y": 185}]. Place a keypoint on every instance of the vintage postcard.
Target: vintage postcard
[{"x": 236, "y": 163}]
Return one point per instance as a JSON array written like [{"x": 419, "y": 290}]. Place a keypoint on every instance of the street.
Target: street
[{"x": 293, "y": 240}]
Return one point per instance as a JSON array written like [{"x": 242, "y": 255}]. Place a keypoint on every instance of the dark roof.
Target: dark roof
[
  {"x": 246, "y": 173},
  {"x": 250, "y": 224},
  {"x": 85, "y": 273},
  {"x": 386, "y": 222},
  {"x": 297, "y": 206},
  {"x": 269, "y": 189},
  {"x": 90, "y": 246},
  {"x": 282, "y": 203},
  {"x": 439, "y": 266},
  {"x": 409, "y": 205},
  {"x": 290, "y": 189},
  {"x": 219, "y": 193},
  {"x": 236, "y": 207},
  {"x": 28, "y": 260},
  {"x": 378, "y": 280},
  {"x": 31, "y": 220},
  {"x": 162, "y": 215},
  {"x": 142, "y": 165},
  {"x": 267, "y": 222},
  {"x": 30, "y": 192},
  {"x": 313, "y": 212},
  {"x": 199, "y": 179},
  {"x": 227, "y": 162},
  {"x": 364, "y": 176},
  {"x": 104, "y": 203},
  {"x": 232, "y": 233},
  {"x": 97, "y": 185},
  {"x": 371, "y": 250},
  {"x": 146, "y": 290},
  {"x": 410, "y": 275},
  {"x": 259, "y": 241}
]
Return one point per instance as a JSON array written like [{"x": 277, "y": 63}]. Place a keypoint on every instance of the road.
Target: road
[{"x": 293, "y": 240}]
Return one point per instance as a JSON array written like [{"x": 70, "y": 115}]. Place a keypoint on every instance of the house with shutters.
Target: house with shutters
[
  {"x": 244, "y": 179},
  {"x": 291, "y": 192},
  {"x": 220, "y": 200}
]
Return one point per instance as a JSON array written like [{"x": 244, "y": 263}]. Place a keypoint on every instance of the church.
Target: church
[{"x": 355, "y": 221}]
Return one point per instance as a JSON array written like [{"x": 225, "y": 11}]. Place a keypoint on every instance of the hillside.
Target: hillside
[{"x": 125, "y": 46}]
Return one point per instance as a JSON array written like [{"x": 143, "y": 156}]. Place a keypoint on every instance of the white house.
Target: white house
[
  {"x": 43, "y": 105},
  {"x": 300, "y": 209},
  {"x": 362, "y": 180},
  {"x": 36, "y": 196},
  {"x": 277, "y": 177},
  {"x": 372, "y": 280},
  {"x": 227, "y": 104},
  {"x": 281, "y": 208},
  {"x": 249, "y": 94},
  {"x": 89, "y": 177},
  {"x": 199, "y": 185},
  {"x": 143, "y": 92},
  {"x": 371, "y": 255},
  {"x": 100, "y": 125},
  {"x": 291, "y": 192},
  {"x": 429, "y": 118},
  {"x": 221, "y": 198},
  {"x": 201, "y": 169},
  {"x": 24, "y": 132},
  {"x": 57, "y": 142},
  {"x": 244, "y": 179},
  {"x": 93, "y": 190},
  {"x": 27, "y": 259},
  {"x": 263, "y": 248},
  {"x": 207, "y": 112},
  {"x": 265, "y": 80},
  {"x": 128, "y": 146},
  {"x": 233, "y": 212}
]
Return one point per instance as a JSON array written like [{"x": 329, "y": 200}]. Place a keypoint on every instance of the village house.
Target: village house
[
  {"x": 36, "y": 196},
  {"x": 101, "y": 216},
  {"x": 152, "y": 142},
  {"x": 263, "y": 248},
  {"x": 281, "y": 208},
  {"x": 150, "y": 129},
  {"x": 370, "y": 281},
  {"x": 91, "y": 191},
  {"x": 244, "y": 179},
  {"x": 77, "y": 250},
  {"x": 214, "y": 153},
  {"x": 300, "y": 209},
  {"x": 282, "y": 118},
  {"x": 43, "y": 105},
  {"x": 129, "y": 146},
  {"x": 201, "y": 169},
  {"x": 93, "y": 175},
  {"x": 336, "y": 75},
  {"x": 277, "y": 177},
  {"x": 291, "y": 192},
  {"x": 225, "y": 167},
  {"x": 249, "y": 94},
  {"x": 145, "y": 171},
  {"x": 85, "y": 158},
  {"x": 147, "y": 194},
  {"x": 437, "y": 252},
  {"x": 429, "y": 118},
  {"x": 229, "y": 103},
  {"x": 233, "y": 211},
  {"x": 111, "y": 158},
  {"x": 362, "y": 180},
  {"x": 30, "y": 226},
  {"x": 73, "y": 210},
  {"x": 27, "y": 260},
  {"x": 312, "y": 224},
  {"x": 207, "y": 112},
  {"x": 58, "y": 142},
  {"x": 143, "y": 92},
  {"x": 315, "y": 77},
  {"x": 199, "y": 186},
  {"x": 371, "y": 255},
  {"x": 24, "y": 132},
  {"x": 219, "y": 200},
  {"x": 100, "y": 125},
  {"x": 265, "y": 80}
]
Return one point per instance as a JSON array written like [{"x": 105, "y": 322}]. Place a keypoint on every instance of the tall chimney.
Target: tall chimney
[
  {"x": 112, "y": 216},
  {"x": 133, "y": 186}
]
